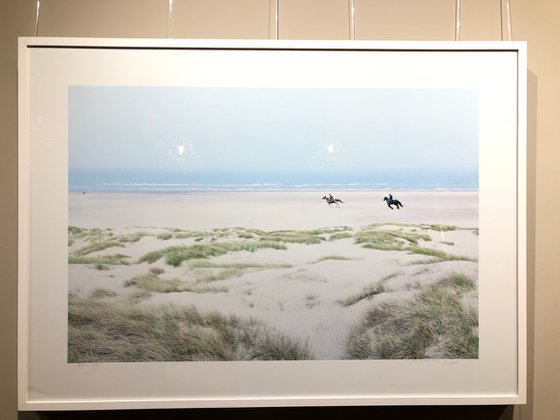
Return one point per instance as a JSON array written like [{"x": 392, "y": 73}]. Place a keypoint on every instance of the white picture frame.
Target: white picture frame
[{"x": 49, "y": 66}]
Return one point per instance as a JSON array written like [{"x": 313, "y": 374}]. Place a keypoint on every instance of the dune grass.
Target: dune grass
[
  {"x": 114, "y": 259},
  {"x": 75, "y": 230},
  {"x": 366, "y": 293},
  {"x": 332, "y": 258},
  {"x": 459, "y": 282},
  {"x": 192, "y": 234},
  {"x": 90, "y": 236},
  {"x": 438, "y": 256},
  {"x": 157, "y": 270},
  {"x": 98, "y": 240},
  {"x": 439, "y": 228},
  {"x": 332, "y": 229},
  {"x": 434, "y": 324},
  {"x": 138, "y": 295},
  {"x": 98, "y": 246},
  {"x": 340, "y": 235},
  {"x": 216, "y": 272},
  {"x": 308, "y": 237},
  {"x": 97, "y": 237},
  {"x": 389, "y": 240},
  {"x": 293, "y": 236},
  {"x": 176, "y": 255},
  {"x": 152, "y": 282},
  {"x": 102, "y": 292},
  {"x": 104, "y": 331},
  {"x": 240, "y": 266},
  {"x": 369, "y": 291},
  {"x": 134, "y": 237},
  {"x": 423, "y": 226}
]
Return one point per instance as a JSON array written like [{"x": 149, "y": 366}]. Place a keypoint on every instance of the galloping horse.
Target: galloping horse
[
  {"x": 390, "y": 202},
  {"x": 331, "y": 200}
]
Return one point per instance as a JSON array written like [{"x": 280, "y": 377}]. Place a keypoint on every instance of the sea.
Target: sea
[{"x": 191, "y": 181}]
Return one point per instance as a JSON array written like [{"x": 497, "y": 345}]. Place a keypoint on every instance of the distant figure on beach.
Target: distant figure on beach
[
  {"x": 331, "y": 200},
  {"x": 392, "y": 202}
]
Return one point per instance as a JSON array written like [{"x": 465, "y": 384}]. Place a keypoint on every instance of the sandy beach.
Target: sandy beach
[
  {"x": 268, "y": 210},
  {"x": 287, "y": 259}
]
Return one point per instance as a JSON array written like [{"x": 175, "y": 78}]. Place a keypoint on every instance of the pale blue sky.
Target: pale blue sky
[{"x": 276, "y": 130}]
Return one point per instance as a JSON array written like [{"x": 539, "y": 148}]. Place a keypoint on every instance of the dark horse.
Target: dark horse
[
  {"x": 331, "y": 200},
  {"x": 392, "y": 202}
]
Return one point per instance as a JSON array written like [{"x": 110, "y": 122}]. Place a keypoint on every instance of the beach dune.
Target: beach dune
[{"x": 332, "y": 264}]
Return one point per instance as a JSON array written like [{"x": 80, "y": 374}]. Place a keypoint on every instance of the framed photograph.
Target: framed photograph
[{"x": 271, "y": 223}]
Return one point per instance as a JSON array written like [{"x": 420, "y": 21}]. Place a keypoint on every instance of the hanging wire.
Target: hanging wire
[
  {"x": 352, "y": 20},
  {"x": 508, "y": 17},
  {"x": 170, "y": 19},
  {"x": 501, "y": 21},
  {"x": 277, "y": 20},
  {"x": 457, "y": 20},
  {"x": 37, "y": 18},
  {"x": 508, "y": 14}
]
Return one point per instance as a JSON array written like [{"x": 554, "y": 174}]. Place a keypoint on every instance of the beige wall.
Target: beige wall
[{"x": 537, "y": 21}]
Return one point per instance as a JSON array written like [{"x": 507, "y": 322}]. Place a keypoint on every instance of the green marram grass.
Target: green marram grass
[
  {"x": 240, "y": 266},
  {"x": 440, "y": 228},
  {"x": 369, "y": 290},
  {"x": 103, "y": 331},
  {"x": 293, "y": 236},
  {"x": 215, "y": 271},
  {"x": 113, "y": 259},
  {"x": 434, "y": 324},
  {"x": 157, "y": 270},
  {"x": 100, "y": 266},
  {"x": 90, "y": 236},
  {"x": 307, "y": 237},
  {"x": 98, "y": 246},
  {"x": 193, "y": 234},
  {"x": 389, "y": 240},
  {"x": 138, "y": 296},
  {"x": 332, "y": 258},
  {"x": 459, "y": 282},
  {"x": 133, "y": 237},
  {"x": 153, "y": 283},
  {"x": 376, "y": 237},
  {"x": 96, "y": 240},
  {"x": 102, "y": 292},
  {"x": 176, "y": 255},
  {"x": 341, "y": 235},
  {"x": 437, "y": 255},
  {"x": 366, "y": 293}
]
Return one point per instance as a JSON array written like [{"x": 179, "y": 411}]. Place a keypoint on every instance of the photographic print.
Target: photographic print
[
  {"x": 235, "y": 224},
  {"x": 208, "y": 223}
]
